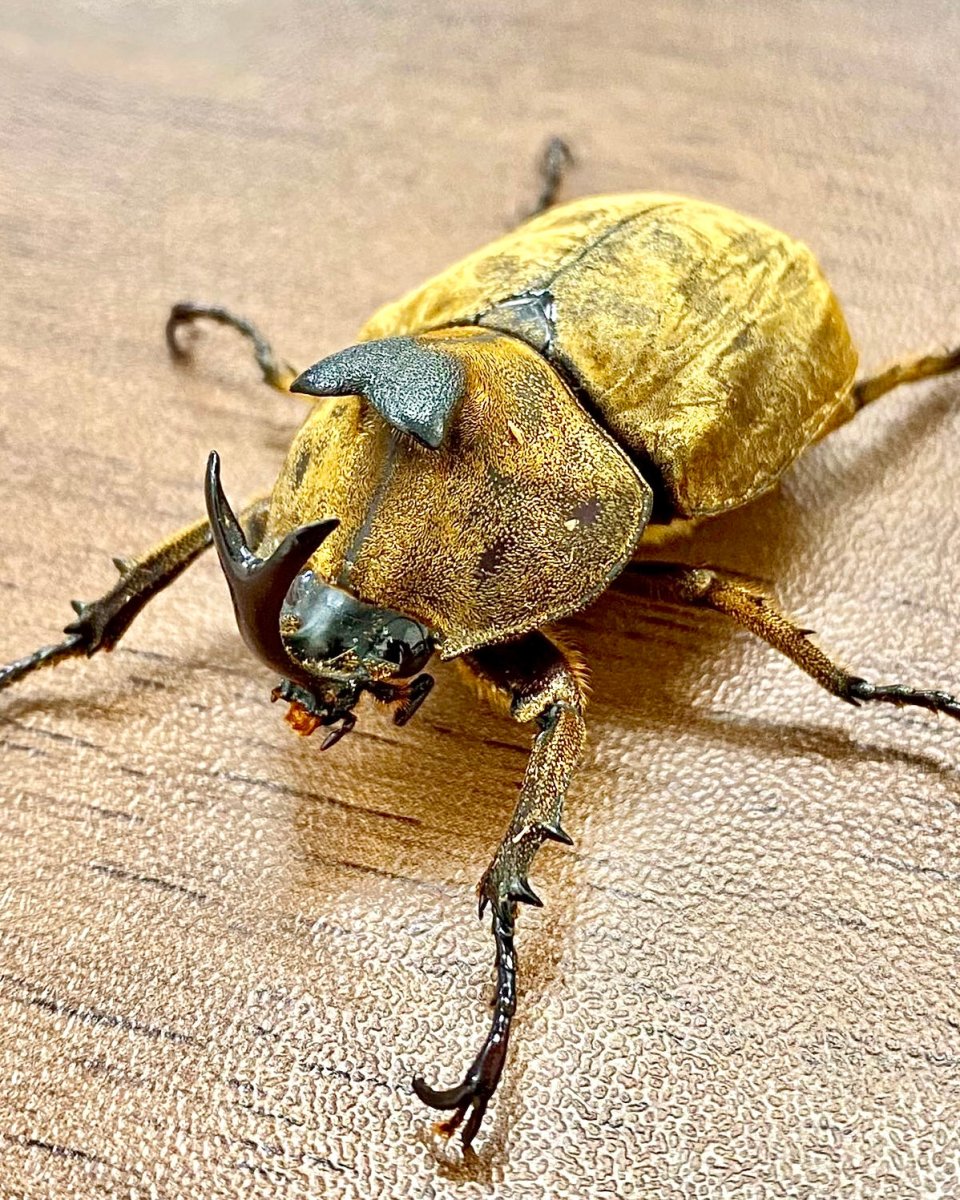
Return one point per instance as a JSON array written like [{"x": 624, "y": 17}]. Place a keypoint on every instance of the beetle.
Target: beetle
[{"x": 486, "y": 459}]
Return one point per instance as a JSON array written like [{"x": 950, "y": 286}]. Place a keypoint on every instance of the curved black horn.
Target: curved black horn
[
  {"x": 258, "y": 586},
  {"x": 413, "y": 385}
]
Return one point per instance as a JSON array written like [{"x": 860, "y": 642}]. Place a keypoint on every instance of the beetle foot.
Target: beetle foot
[
  {"x": 341, "y": 729},
  {"x": 859, "y": 691},
  {"x": 46, "y": 656},
  {"x": 473, "y": 1094}
]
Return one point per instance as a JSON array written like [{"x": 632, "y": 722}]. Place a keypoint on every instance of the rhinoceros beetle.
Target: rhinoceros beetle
[{"x": 486, "y": 459}]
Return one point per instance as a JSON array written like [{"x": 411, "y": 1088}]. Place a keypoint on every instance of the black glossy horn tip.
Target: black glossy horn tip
[
  {"x": 231, "y": 545},
  {"x": 304, "y": 385},
  {"x": 212, "y": 488}
]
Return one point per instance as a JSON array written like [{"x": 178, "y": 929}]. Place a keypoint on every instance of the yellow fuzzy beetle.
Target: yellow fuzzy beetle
[{"x": 486, "y": 459}]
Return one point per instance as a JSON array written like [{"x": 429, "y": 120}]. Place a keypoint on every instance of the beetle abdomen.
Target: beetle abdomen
[{"x": 708, "y": 343}]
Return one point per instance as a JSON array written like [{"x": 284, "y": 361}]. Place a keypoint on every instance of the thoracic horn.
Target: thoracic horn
[
  {"x": 258, "y": 586},
  {"x": 413, "y": 385}
]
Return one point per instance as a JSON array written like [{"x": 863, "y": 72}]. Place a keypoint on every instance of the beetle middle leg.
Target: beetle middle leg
[
  {"x": 275, "y": 372},
  {"x": 100, "y": 624},
  {"x": 538, "y": 682},
  {"x": 706, "y": 587}
]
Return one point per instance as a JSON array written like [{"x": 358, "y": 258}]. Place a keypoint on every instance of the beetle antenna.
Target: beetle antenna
[{"x": 258, "y": 586}]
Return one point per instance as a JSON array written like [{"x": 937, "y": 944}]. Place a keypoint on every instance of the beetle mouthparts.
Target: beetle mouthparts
[
  {"x": 301, "y": 720},
  {"x": 304, "y": 721},
  {"x": 307, "y": 712}
]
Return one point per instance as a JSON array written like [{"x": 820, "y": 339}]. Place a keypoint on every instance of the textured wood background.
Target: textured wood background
[{"x": 222, "y": 956}]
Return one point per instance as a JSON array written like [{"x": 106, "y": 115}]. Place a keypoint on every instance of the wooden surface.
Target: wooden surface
[{"x": 222, "y": 956}]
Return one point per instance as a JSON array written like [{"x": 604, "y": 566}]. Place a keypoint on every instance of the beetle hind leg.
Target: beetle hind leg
[
  {"x": 905, "y": 370},
  {"x": 555, "y": 160},
  {"x": 541, "y": 684},
  {"x": 275, "y": 372},
  {"x": 748, "y": 606}
]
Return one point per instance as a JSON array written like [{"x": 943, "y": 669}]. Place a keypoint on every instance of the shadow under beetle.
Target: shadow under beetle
[{"x": 485, "y": 460}]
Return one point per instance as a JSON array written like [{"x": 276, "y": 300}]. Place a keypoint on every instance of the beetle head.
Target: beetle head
[{"x": 329, "y": 646}]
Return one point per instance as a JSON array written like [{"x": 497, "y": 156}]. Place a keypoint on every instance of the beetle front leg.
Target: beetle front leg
[
  {"x": 101, "y": 623},
  {"x": 540, "y": 683}
]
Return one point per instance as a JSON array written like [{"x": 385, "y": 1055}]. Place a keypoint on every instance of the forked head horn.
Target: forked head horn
[{"x": 258, "y": 586}]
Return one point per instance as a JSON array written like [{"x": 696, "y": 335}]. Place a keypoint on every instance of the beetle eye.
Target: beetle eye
[
  {"x": 404, "y": 644},
  {"x": 394, "y": 651}
]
